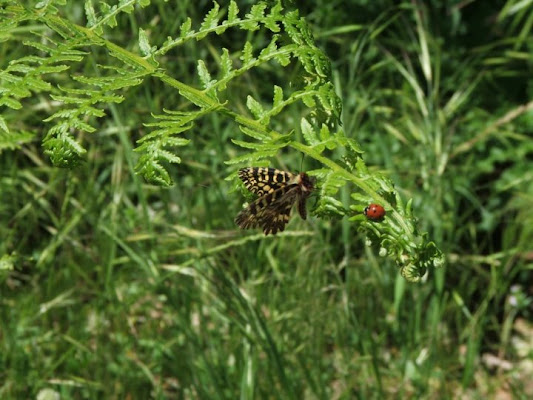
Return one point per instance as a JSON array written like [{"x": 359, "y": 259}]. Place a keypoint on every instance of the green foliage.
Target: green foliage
[
  {"x": 81, "y": 96},
  {"x": 13, "y": 140},
  {"x": 114, "y": 288}
]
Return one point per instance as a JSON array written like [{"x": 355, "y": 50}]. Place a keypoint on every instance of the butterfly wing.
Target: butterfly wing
[
  {"x": 272, "y": 211},
  {"x": 262, "y": 181},
  {"x": 302, "y": 209}
]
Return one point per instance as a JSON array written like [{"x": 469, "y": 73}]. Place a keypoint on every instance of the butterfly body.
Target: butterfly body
[{"x": 278, "y": 191}]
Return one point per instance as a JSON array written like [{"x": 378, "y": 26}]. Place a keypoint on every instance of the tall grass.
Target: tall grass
[{"x": 114, "y": 288}]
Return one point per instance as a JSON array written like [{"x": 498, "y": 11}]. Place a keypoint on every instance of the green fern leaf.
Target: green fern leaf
[
  {"x": 257, "y": 11},
  {"x": 249, "y": 145},
  {"x": 205, "y": 76},
  {"x": 3, "y": 125},
  {"x": 330, "y": 184},
  {"x": 17, "y": 66},
  {"x": 329, "y": 100},
  {"x": 57, "y": 54},
  {"x": 283, "y": 58},
  {"x": 251, "y": 21},
  {"x": 210, "y": 21},
  {"x": 127, "y": 6},
  {"x": 163, "y": 135},
  {"x": 278, "y": 97},
  {"x": 109, "y": 14},
  {"x": 226, "y": 65},
  {"x": 354, "y": 151},
  {"x": 13, "y": 140},
  {"x": 247, "y": 54},
  {"x": 52, "y": 69},
  {"x": 233, "y": 11},
  {"x": 39, "y": 46},
  {"x": 309, "y": 100},
  {"x": 272, "y": 20},
  {"x": 262, "y": 136},
  {"x": 176, "y": 142},
  {"x": 185, "y": 28},
  {"x": 169, "y": 157},
  {"x": 11, "y": 103},
  {"x": 85, "y": 98},
  {"x": 68, "y": 99},
  {"x": 154, "y": 146},
  {"x": 290, "y": 22},
  {"x": 318, "y": 139},
  {"x": 325, "y": 134},
  {"x": 32, "y": 70},
  {"x": 308, "y": 132},
  {"x": 144, "y": 44},
  {"x": 151, "y": 170},
  {"x": 62, "y": 114},
  {"x": 255, "y": 107},
  {"x": 252, "y": 158},
  {"x": 271, "y": 48},
  {"x": 90, "y": 13},
  {"x": 63, "y": 150}
]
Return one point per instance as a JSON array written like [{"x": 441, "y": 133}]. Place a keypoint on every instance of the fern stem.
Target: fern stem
[{"x": 357, "y": 181}]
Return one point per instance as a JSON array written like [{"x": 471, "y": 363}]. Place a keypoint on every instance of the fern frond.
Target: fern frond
[
  {"x": 27, "y": 74},
  {"x": 256, "y": 134},
  {"x": 252, "y": 19},
  {"x": 144, "y": 44},
  {"x": 59, "y": 138},
  {"x": 254, "y": 158},
  {"x": 109, "y": 13},
  {"x": 396, "y": 235},
  {"x": 205, "y": 76},
  {"x": 83, "y": 99},
  {"x": 62, "y": 148},
  {"x": 185, "y": 31},
  {"x": 247, "y": 54},
  {"x": 11, "y": 140},
  {"x": 329, "y": 185},
  {"x": 249, "y": 62},
  {"x": 267, "y": 147},
  {"x": 255, "y": 107},
  {"x": 319, "y": 139},
  {"x": 156, "y": 146},
  {"x": 233, "y": 12},
  {"x": 331, "y": 103},
  {"x": 398, "y": 238},
  {"x": 212, "y": 24},
  {"x": 210, "y": 21}
]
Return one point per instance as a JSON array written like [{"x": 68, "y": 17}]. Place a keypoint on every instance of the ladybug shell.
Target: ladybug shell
[{"x": 374, "y": 212}]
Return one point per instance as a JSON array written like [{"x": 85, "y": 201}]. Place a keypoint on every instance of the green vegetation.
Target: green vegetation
[{"x": 122, "y": 273}]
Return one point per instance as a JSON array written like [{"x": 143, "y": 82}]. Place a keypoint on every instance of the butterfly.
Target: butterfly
[{"x": 278, "y": 191}]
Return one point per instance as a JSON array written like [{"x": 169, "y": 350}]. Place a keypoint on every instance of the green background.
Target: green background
[{"x": 114, "y": 288}]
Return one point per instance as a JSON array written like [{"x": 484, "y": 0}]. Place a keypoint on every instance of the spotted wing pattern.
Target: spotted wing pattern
[
  {"x": 261, "y": 181},
  {"x": 270, "y": 212},
  {"x": 279, "y": 191}
]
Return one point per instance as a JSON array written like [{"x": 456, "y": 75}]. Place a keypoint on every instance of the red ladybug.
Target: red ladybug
[{"x": 375, "y": 212}]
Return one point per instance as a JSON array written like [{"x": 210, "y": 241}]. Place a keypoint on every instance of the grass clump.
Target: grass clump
[{"x": 121, "y": 271}]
